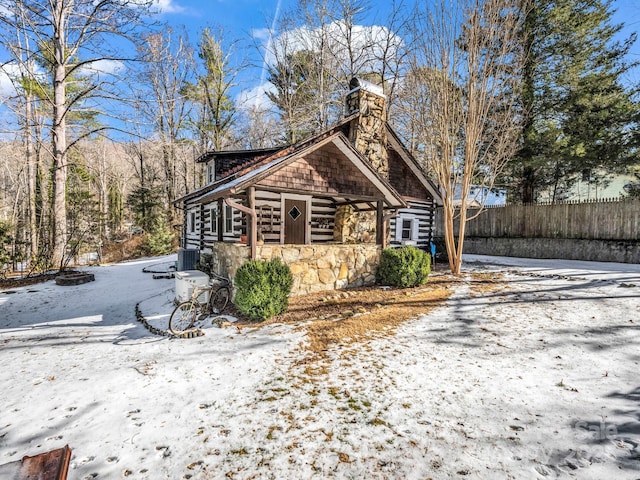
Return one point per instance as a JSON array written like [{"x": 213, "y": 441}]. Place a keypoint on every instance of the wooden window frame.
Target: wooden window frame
[
  {"x": 211, "y": 171},
  {"x": 213, "y": 219},
  {"x": 228, "y": 216},
  {"x": 192, "y": 222}
]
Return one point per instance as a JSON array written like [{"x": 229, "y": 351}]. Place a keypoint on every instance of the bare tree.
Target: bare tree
[
  {"x": 349, "y": 42},
  {"x": 24, "y": 105},
  {"x": 256, "y": 127},
  {"x": 167, "y": 69},
  {"x": 70, "y": 39},
  {"x": 468, "y": 58},
  {"x": 319, "y": 47},
  {"x": 392, "y": 51},
  {"x": 312, "y": 44}
]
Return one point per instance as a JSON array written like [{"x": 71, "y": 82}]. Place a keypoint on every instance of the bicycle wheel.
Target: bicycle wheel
[
  {"x": 220, "y": 299},
  {"x": 182, "y": 318}
]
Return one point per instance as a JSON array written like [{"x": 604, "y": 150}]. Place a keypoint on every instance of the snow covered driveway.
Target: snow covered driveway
[{"x": 529, "y": 371}]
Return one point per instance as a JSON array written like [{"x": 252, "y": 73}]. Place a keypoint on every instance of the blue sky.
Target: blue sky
[
  {"x": 240, "y": 17},
  {"x": 243, "y": 19}
]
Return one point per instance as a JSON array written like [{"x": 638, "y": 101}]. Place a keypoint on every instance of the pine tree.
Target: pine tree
[
  {"x": 293, "y": 94},
  {"x": 214, "y": 117},
  {"x": 579, "y": 113},
  {"x": 160, "y": 240}
]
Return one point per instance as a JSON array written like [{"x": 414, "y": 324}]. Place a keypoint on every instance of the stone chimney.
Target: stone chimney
[
  {"x": 367, "y": 133},
  {"x": 367, "y": 130}
]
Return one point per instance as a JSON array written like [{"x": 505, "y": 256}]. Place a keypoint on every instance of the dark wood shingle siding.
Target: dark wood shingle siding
[
  {"x": 403, "y": 180},
  {"x": 323, "y": 171},
  {"x": 226, "y": 166}
]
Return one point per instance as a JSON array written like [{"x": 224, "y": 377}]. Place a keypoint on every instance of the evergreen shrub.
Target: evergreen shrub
[
  {"x": 403, "y": 267},
  {"x": 262, "y": 288},
  {"x": 161, "y": 239}
]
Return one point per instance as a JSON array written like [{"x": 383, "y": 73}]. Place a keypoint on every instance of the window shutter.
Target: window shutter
[
  {"x": 415, "y": 229},
  {"x": 398, "y": 235}
]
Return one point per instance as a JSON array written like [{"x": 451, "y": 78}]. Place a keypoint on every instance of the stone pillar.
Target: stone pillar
[{"x": 345, "y": 225}]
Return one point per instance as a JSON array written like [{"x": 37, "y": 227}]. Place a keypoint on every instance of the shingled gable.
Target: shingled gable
[
  {"x": 404, "y": 170},
  {"x": 326, "y": 164}
]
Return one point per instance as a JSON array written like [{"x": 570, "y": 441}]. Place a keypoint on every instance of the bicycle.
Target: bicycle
[{"x": 185, "y": 314}]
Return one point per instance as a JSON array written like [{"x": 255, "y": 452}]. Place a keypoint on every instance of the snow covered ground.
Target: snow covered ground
[{"x": 532, "y": 377}]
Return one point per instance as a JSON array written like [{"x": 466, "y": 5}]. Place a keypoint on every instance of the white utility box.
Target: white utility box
[{"x": 186, "y": 281}]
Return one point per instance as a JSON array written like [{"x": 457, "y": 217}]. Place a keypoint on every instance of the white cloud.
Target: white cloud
[
  {"x": 5, "y": 11},
  {"x": 6, "y": 87},
  {"x": 168, "y": 6},
  {"x": 368, "y": 41},
  {"x": 10, "y": 73},
  {"x": 263, "y": 34},
  {"x": 255, "y": 98},
  {"x": 103, "y": 66}
]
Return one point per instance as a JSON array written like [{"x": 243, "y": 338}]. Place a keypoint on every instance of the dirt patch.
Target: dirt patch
[{"x": 358, "y": 314}]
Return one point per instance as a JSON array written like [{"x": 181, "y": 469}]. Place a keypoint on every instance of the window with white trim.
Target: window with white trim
[
  {"x": 213, "y": 219},
  {"x": 192, "y": 222},
  {"x": 211, "y": 171},
  {"x": 228, "y": 219},
  {"x": 407, "y": 229}
]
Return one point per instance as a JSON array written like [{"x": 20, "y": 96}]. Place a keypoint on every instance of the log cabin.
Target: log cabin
[{"x": 326, "y": 205}]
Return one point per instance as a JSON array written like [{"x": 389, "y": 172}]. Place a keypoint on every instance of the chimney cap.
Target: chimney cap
[{"x": 359, "y": 84}]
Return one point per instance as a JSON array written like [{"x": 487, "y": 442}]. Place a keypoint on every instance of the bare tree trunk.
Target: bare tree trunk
[
  {"x": 32, "y": 172},
  {"x": 59, "y": 139}
]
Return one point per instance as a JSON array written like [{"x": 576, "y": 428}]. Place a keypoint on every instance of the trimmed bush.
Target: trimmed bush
[
  {"x": 262, "y": 288},
  {"x": 403, "y": 267}
]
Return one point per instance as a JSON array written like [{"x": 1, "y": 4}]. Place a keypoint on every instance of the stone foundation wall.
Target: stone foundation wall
[
  {"x": 315, "y": 268},
  {"x": 226, "y": 258}
]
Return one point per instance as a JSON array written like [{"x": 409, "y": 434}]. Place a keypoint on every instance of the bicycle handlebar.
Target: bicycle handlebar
[{"x": 215, "y": 276}]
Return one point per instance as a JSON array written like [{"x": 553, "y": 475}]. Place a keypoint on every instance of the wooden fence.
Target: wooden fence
[{"x": 602, "y": 220}]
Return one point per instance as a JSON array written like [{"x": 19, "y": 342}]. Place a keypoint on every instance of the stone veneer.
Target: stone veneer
[
  {"x": 315, "y": 268},
  {"x": 351, "y": 226},
  {"x": 367, "y": 133}
]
